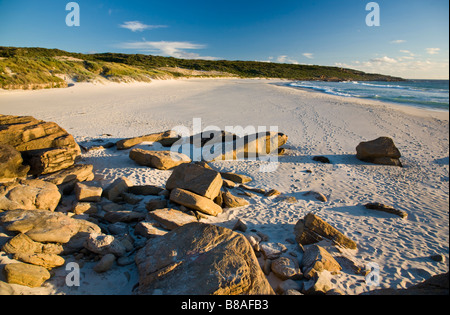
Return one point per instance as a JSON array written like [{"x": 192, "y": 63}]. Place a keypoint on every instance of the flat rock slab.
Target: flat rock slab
[
  {"x": 161, "y": 160},
  {"x": 44, "y": 226},
  {"x": 155, "y": 137},
  {"x": 200, "y": 259},
  {"x": 195, "y": 202},
  {"x": 171, "y": 219}
]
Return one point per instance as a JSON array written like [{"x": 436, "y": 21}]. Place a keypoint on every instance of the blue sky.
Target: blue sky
[{"x": 411, "y": 41}]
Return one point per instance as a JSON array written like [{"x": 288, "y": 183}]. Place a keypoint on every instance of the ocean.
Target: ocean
[{"x": 430, "y": 94}]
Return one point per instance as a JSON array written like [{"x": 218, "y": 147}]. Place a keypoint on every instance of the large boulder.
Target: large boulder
[
  {"x": 11, "y": 163},
  {"x": 317, "y": 259},
  {"x": 29, "y": 195},
  {"x": 161, "y": 160},
  {"x": 379, "y": 151},
  {"x": 200, "y": 259},
  {"x": 36, "y": 140},
  {"x": 313, "y": 229},
  {"x": 197, "y": 179}
]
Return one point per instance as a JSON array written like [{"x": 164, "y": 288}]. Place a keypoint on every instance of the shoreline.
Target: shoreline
[
  {"x": 316, "y": 124},
  {"x": 408, "y": 108}
]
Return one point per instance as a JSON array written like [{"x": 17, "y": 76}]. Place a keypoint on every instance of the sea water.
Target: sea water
[{"x": 431, "y": 94}]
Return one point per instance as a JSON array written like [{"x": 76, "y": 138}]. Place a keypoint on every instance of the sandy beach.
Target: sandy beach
[{"x": 316, "y": 124}]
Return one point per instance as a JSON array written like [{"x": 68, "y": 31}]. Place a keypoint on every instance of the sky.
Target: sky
[{"x": 410, "y": 41}]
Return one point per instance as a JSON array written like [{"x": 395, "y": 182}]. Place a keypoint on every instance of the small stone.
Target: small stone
[
  {"x": 289, "y": 285},
  {"x": 317, "y": 195},
  {"x": 105, "y": 263},
  {"x": 237, "y": 178},
  {"x": 88, "y": 192},
  {"x": 322, "y": 159},
  {"x": 286, "y": 268},
  {"x": 272, "y": 250},
  {"x": 438, "y": 258},
  {"x": 231, "y": 201},
  {"x": 240, "y": 226},
  {"x": 156, "y": 204}
]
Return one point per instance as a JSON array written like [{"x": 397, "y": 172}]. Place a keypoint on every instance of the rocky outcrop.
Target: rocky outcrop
[
  {"x": 45, "y": 146},
  {"x": 200, "y": 259},
  {"x": 379, "y": 151}
]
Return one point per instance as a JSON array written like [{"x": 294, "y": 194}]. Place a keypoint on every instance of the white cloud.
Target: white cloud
[
  {"x": 165, "y": 48},
  {"x": 433, "y": 51},
  {"x": 405, "y": 67},
  {"x": 398, "y": 41},
  {"x": 308, "y": 55},
  {"x": 286, "y": 59},
  {"x": 136, "y": 26},
  {"x": 384, "y": 59}
]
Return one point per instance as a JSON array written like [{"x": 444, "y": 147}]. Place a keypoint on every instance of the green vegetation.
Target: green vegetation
[{"x": 25, "y": 68}]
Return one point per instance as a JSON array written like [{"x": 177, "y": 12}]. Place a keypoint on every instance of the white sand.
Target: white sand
[{"x": 316, "y": 124}]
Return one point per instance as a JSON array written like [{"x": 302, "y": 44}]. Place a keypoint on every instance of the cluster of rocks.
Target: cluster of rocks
[{"x": 61, "y": 210}]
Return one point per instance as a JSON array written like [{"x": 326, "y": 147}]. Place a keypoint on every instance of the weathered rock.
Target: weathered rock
[
  {"x": 105, "y": 263},
  {"x": 131, "y": 199},
  {"x": 45, "y": 226},
  {"x": 200, "y": 259},
  {"x": 253, "y": 189},
  {"x": 149, "y": 230},
  {"x": 251, "y": 146},
  {"x": 317, "y": 259},
  {"x": 161, "y": 160},
  {"x": 236, "y": 178},
  {"x": 46, "y": 161},
  {"x": 29, "y": 195},
  {"x": 286, "y": 268},
  {"x": 156, "y": 204},
  {"x": 85, "y": 207},
  {"x": 123, "y": 216},
  {"x": 197, "y": 179},
  {"x": 104, "y": 244},
  {"x": 11, "y": 163},
  {"x": 272, "y": 250},
  {"x": 21, "y": 243},
  {"x": 195, "y": 202},
  {"x": 379, "y": 151},
  {"x": 47, "y": 261},
  {"x": 155, "y": 137},
  {"x": 317, "y": 195},
  {"x": 231, "y": 201},
  {"x": 319, "y": 284},
  {"x": 119, "y": 186},
  {"x": 312, "y": 229},
  {"x": 88, "y": 192},
  {"x": 240, "y": 226},
  {"x": 171, "y": 219},
  {"x": 26, "y": 133},
  {"x": 322, "y": 159},
  {"x": 145, "y": 190},
  {"x": 67, "y": 178},
  {"x": 272, "y": 193},
  {"x": 26, "y": 274},
  {"x": 286, "y": 287},
  {"x": 384, "y": 208}
]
